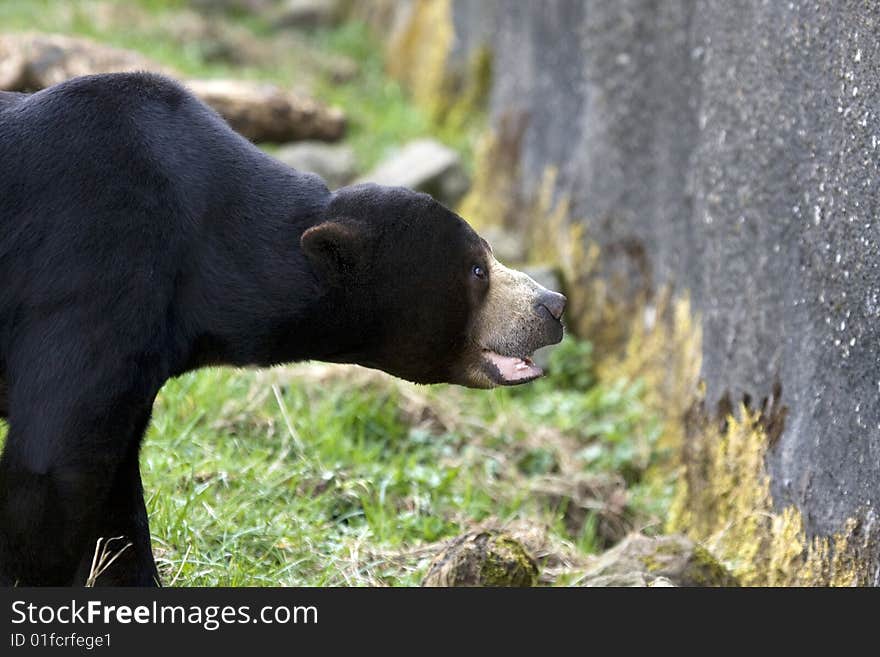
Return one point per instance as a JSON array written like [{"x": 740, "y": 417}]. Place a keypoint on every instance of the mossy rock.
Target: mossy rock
[
  {"x": 483, "y": 558},
  {"x": 634, "y": 580},
  {"x": 659, "y": 561}
]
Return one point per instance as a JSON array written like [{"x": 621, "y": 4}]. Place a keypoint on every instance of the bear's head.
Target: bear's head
[{"x": 423, "y": 294}]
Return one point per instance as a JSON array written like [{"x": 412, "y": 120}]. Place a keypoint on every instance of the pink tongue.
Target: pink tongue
[{"x": 513, "y": 369}]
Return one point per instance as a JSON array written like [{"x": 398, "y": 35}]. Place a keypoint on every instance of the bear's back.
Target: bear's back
[
  {"x": 129, "y": 139},
  {"x": 107, "y": 134},
  {"x": 10, "y": 98},
  {"x": 127, "y": 181}
]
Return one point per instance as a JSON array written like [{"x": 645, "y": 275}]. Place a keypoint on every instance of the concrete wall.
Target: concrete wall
[{"x": 738, "y": 143}]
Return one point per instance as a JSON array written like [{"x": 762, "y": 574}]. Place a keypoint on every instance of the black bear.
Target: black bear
[{"x": 140, "y": 238}]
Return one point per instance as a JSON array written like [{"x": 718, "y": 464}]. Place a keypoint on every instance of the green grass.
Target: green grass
[
  {"x": 332, "y": 475},
  {"x": 325, "y": 475}
]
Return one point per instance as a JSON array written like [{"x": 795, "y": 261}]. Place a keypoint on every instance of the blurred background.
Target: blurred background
[{"x": 699, "y": 177}]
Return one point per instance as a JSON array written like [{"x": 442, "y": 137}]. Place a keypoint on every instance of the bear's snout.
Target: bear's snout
[
  {"x": 551, "y": 303},
  {"x": 517, "y": 318}
]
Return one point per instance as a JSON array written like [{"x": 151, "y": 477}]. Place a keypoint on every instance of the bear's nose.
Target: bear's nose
[{"x": 552, "y": 302}]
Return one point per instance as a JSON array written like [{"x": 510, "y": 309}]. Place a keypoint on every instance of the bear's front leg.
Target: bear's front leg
[
  {"x": 125, "y": 523},
  {"x": 69, "y": 476}
]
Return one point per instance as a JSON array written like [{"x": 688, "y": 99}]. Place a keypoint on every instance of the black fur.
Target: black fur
[{"x": 140, "y": 238}]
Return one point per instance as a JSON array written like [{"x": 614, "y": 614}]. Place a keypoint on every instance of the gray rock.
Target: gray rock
[
  {"x": 233, "y": 6},
  {"x": 223, "y": 41},
  {"x": 309, "y": 14},
  {"x": 627, "y": 580},
  {"x": 673, "y": 560},
  {"x": 335, "y": 163},
  {"x": 482, "y": 558},
  {"x": 340, "y": 68},
  {"x": 426, "y": 166},
  {"x": 509, "y": 247},
  {"x": 662, "y": 583},
  {"x": 622, "y": 580}
]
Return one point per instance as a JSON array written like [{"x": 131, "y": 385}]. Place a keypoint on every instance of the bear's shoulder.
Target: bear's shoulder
[
  {"x": 137, "y": 85},
  {"x": 108, "y": 98},
  {"x": 10, "y": 98}
]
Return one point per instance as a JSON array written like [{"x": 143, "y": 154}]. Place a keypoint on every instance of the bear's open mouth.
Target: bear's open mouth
[{"x": 511, "y": 370}]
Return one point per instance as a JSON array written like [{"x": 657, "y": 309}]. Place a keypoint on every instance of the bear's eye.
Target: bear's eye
[{"x": 479, "y": 272}]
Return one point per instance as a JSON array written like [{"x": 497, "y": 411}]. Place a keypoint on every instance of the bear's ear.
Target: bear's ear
[{"x": 335, "y": 246}]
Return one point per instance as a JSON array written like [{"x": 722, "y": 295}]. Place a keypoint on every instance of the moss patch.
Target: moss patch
[
  {"x": 418, "y": 51},
  {"x": 494, "y": 196},
  {"x": 483, "y": 558},
  {"x": 418, "y": 56},
  {"x": 723, "y": 498},
  {"x": 674, "y": 558}
]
